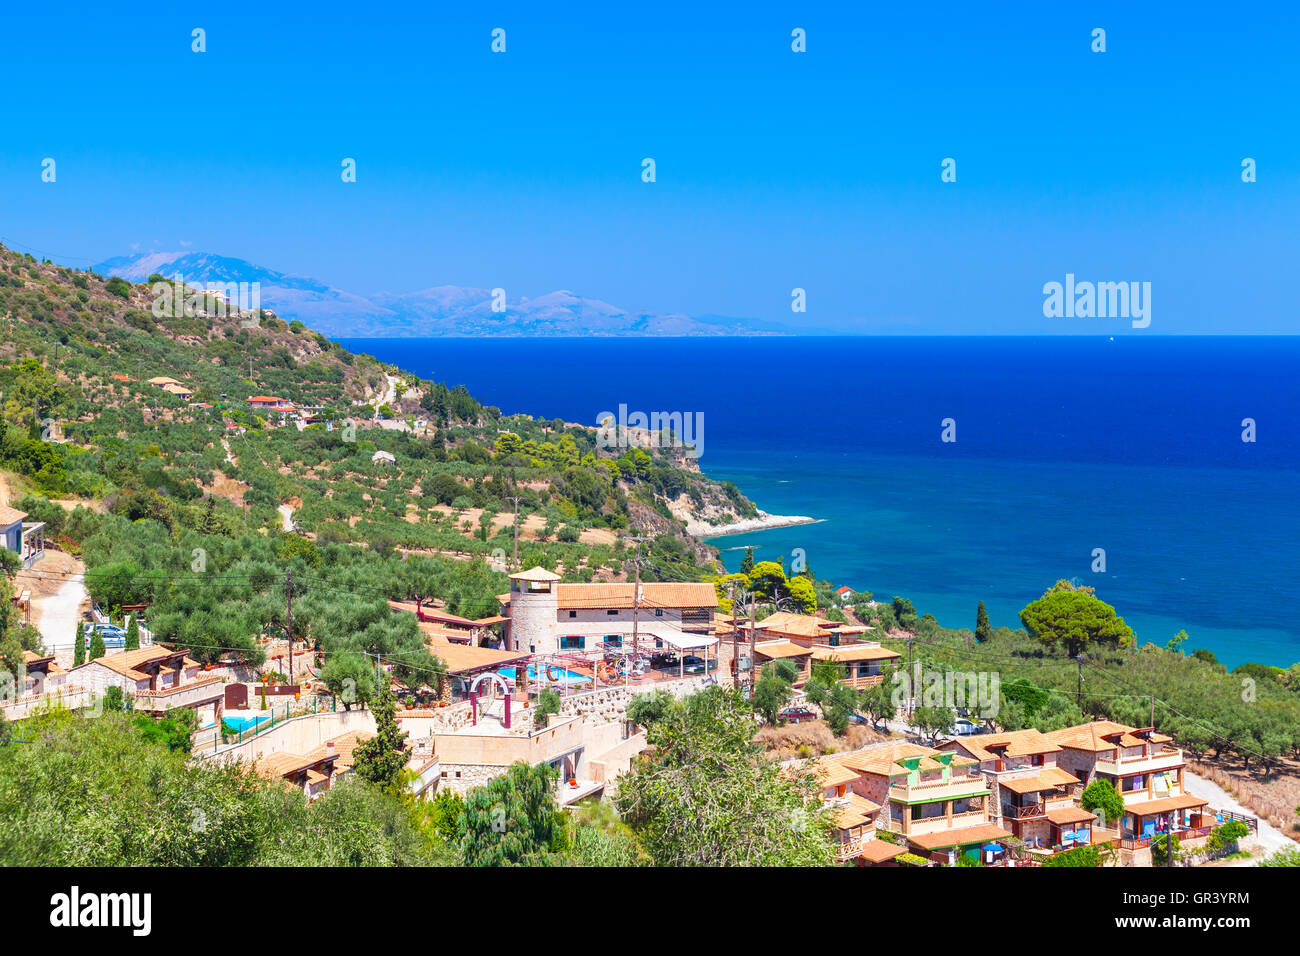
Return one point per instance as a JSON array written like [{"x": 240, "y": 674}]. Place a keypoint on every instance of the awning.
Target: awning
[
  {"x": 1066, "y": 816},
  {"x": 1167, "y": 805},
  {"x": 678, "y": 639}
]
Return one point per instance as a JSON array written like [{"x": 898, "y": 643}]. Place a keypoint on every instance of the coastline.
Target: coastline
[{"x": 764, "y": 522}]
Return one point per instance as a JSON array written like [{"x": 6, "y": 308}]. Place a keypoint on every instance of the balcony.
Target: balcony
[
  {"x": 1161, "y": 758},
  {"x": 848, "y": 849},
  {"x": 927, "y": 790},
  {"x": 201, "y": 691},
  {"x": 1030, "y": 811}
]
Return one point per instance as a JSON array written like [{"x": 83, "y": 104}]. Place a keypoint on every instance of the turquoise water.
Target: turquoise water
[
  {"x": 561, "y": 675},
  {"x": 243, "y": 722},
  {"x": 1064, "y": 445}
]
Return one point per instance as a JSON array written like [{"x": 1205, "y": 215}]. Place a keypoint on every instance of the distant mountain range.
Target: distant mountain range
[{"x": 439, "y": 311}]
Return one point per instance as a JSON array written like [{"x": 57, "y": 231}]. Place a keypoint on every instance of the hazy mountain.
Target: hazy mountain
[{"x": 440, "y": 310}]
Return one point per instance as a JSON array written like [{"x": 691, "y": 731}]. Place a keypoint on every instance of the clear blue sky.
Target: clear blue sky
[{"x": 775, "y": 169}]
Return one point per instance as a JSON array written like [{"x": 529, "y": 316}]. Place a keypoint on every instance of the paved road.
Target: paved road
[{"x": 1270, "y": 838}]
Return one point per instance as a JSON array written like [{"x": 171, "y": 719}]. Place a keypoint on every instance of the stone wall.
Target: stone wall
[{"x": 608, "y": 705}]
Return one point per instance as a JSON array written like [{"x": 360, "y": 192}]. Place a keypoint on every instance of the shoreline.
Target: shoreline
[{"x": 764, "y": 522}]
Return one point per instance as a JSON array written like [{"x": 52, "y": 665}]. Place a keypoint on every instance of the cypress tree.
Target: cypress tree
[
  {"x": 79, "y": 646},
  {"x": 97, "y": 648},
  {"x": 381, "y": 759},
  {"x": 747, "y": 563},
  {"x": 133, "y": 634},
  {"x": 982, "y": 630}
]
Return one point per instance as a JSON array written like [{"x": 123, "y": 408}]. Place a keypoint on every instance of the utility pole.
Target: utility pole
[
  {"x": 636, "y": 609},
  {"x": 288, "y": 594},
  {"x": 911, "y": 678},
  {"x": 1078, "y": 693},
  {"x": 515, "y": 565},
  {"x": 735, "y": 639},
  {"x": 753, "y": 647}
]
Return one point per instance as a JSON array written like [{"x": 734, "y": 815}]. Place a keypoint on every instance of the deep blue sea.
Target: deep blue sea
[{"x": 1063, "y": 445}]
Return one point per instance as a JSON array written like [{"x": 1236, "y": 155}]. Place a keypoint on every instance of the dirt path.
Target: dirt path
[
  {"x": 1270, "y": 838},
  {"x": 56, "y": 616},
  {"x": 286, "y": 515}
]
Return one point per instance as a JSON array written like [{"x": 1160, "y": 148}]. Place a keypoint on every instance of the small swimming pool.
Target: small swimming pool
[
  {"x": 558, "y": 675},
  {"x": 243, "y": 722}
]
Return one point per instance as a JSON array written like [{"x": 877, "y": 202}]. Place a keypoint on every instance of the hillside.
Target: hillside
[{"x": 96, "y": 343}]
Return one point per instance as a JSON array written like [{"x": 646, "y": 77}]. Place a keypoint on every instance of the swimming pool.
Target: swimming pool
[
  {"x": 558, "y": 675},
  {"x": 243, "y": 722}
]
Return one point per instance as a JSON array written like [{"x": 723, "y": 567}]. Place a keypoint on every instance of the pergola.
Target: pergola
[{"x": 32, "y": 543}]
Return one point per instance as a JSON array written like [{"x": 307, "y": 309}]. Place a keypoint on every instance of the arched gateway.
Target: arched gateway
[{"x": 506, "y": 693}]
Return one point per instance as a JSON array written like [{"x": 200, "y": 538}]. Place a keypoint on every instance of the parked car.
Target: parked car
[
  {"x": 964, "y": 727},
  {"x": 796, "y": 715},
  {"x": 695, "y": 665},
  {"x": 663, "y": 659},
  {"x": 111, "y": 634}
]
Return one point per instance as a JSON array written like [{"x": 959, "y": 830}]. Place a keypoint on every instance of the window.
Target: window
[
  {"x": 573, "y": 643},
  {"x": 1036, "y": 760},
  {"x": 613, "y": 640},
  {"x": 659, "y": 612},
  {"x": 573, "y": 614},
  {"x": 613, "y": 611}
]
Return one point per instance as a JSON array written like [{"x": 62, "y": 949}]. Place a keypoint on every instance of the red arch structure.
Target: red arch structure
[{"x": 506, "y": 693}]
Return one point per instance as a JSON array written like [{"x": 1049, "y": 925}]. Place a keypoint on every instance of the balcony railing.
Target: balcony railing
[
  {"x": 1029, "y": 811},
  {"x": 937, "y": 789}
]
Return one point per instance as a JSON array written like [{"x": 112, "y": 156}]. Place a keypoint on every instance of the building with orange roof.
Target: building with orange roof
[
  {"x": 317, "y": 771},
  {"x": 1033, "y": 796},
  {"x": 1145, "y": 767},
  {"x": 938, "y": 801},
  {"x": 765, "y": 652},
  {"x": 270, "y": 403},
  {"x": 157, "y": 678},
  {"x": 550, "y": 617},
  {"x": 854, "y": 815}
]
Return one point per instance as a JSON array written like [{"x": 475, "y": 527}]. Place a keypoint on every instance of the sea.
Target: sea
[{"x": 1118, "y": 463}]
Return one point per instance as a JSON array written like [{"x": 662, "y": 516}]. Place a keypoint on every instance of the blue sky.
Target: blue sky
[{"x": 775, "y": 170}]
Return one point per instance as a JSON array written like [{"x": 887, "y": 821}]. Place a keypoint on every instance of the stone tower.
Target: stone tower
[{"x": 534, "y": 611}]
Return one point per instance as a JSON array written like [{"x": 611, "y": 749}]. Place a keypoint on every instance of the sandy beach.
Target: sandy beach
[{"x": 763, "y": 522}]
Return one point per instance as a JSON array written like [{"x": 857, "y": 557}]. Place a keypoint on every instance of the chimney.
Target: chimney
[{"x": 329, "y": 745}]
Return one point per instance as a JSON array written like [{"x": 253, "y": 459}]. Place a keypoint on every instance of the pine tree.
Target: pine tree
[
  {"x": 982, "y": 630},
  {"x": 97, "y": 648},
  {"x": 747, "y": 564},
  {"x": 79, "y": 646},
  {"x": 381, "y": 758},
  {"x": 133, "y": 633}
]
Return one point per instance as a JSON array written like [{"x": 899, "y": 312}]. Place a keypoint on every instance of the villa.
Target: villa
[
  {"x": 270, "y": 403},
  {"x": 159, "y": 679},
  {"x": 863, "y": 660},
  {"x": 548, "y": 618},
  {"x": 937, "y": 801},
  {"x": 1036, "y": 798},
  {"x": 1144, "y": 766},
  {"x": 855, "y": 816},
  {"x": 766, "y": 652},
  {"x": 25, "y": 539}
]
